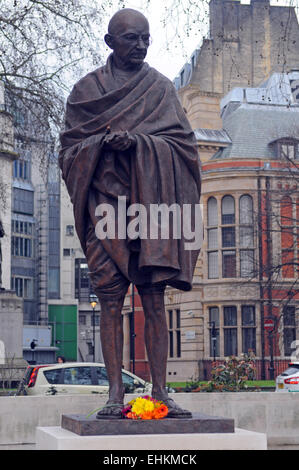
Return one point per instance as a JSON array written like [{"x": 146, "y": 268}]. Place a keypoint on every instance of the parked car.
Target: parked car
[
  {"x": 288, "y": 381},
  {"x": 76, "y": 377}
]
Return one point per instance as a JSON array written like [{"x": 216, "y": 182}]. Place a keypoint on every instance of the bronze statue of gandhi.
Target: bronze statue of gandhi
[{"x": 126, "y": 135}]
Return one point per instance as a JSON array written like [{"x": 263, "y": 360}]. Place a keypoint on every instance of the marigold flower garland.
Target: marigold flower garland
[{"x": 145, "y": 408}]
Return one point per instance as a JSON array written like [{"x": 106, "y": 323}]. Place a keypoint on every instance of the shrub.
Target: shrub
[
  {"x": 192, "y": 386},
  {"x": 232, "y": 375}
]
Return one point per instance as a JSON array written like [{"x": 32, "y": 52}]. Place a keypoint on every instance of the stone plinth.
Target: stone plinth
[
  {"x": 11, "y": 322},
  {"x": 11, "y": 336},
  {"x": 57, "y": 438},
  {"x": 198, "y": 424}
]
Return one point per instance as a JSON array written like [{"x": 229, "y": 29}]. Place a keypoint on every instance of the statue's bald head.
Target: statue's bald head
[
  {"x": 126, "y": 17},
  {"x": 128, "y": 36}
]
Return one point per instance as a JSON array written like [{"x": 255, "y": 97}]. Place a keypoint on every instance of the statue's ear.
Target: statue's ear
[{"x": 108, "y": 40}]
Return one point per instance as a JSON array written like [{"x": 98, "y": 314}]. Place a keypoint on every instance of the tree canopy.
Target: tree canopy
[{"x": 45, "y": 45}]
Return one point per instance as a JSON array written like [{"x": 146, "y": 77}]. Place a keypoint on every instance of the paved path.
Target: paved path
[
  {"x": 32, "y": 447},
  {"x": 17, "y": 447}
]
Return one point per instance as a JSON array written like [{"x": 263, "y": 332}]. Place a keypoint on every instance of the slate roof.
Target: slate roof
[
  {"x": 185, "y": 74},
  {"x": 252, "y": 128},
  {"x": 253, "y": 118},
  {"x": 211, "y": 135}
]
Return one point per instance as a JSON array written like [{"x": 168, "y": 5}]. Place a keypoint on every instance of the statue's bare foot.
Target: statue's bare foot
[{"x": 111, "y": 411}]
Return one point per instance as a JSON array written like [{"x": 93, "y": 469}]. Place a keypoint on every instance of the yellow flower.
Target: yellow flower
[
  {"x": 132, "y": 402},
  {"x": 149, "y": 405},
  {"x": 142, "y": 405}
]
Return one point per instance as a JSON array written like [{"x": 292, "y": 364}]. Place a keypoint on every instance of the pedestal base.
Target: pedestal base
[
  {"x": 57, "y": 438},
  {"x": 199, "y": 423}
]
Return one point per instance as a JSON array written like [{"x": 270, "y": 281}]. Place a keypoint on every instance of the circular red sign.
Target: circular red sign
[{"x": 269, "y": 324}]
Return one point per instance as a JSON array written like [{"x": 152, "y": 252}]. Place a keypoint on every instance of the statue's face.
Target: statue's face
[{"x": 129, "y": 40}]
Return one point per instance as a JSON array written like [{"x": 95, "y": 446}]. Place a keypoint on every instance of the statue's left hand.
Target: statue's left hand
[{"x": 120, "y": 141}]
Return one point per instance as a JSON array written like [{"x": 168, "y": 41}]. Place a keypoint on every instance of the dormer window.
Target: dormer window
[{"x": 288, "y": 149}]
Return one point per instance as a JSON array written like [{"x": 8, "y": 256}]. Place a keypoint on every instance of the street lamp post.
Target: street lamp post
[
  {"x": 33, "y": 345},
  {"x": 132, "y": 330},
  {"x": 270, "y": 326},
  {"x": 93, "y": 302}
]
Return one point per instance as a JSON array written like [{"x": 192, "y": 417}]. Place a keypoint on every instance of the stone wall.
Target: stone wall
[
  {"x": 11, "y": 323},
  {"x": 12, "y": 364},
  {"x": 275, "y": 414},
  {"x": 7, "y": 156},
  {"x": 246, "y": 44}
]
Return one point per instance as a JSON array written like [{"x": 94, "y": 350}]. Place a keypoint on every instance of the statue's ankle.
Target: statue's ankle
[{"x": 159, "y": 393}]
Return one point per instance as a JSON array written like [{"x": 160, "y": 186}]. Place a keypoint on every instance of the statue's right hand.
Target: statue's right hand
[{"x": 120, "y": 141}]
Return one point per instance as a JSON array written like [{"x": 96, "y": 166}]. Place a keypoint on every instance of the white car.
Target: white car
[
  {"x": 288, "y": 381},
  {"x": 76, "y": 377}
]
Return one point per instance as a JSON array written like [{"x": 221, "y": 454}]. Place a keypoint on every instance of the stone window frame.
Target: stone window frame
[
  {"x": 174, "y": 325},
  {"x": 289, "y": 328},
  {"x": 288, "y": 148},
  {"x": 22, "y": 238},
  {"x": 23, "y": 286},
  {"x": 239, "y": 326},
  {"x": 213, "y": 246},
  {"x": 223, "y": 227},
  {"x": 69, "y": 230},
  {"x": 246, "y": 243}
]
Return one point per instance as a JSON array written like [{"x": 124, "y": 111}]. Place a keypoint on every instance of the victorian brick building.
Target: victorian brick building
[
  {"x": 247, "y": 274},
  {"x": 250, "y": 198}
]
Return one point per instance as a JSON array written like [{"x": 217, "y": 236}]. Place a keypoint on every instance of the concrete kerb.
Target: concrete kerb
[{"x": 276, "y": 414}]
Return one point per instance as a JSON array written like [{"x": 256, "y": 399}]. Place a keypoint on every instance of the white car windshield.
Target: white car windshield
[{"x": 294, "y": 369}]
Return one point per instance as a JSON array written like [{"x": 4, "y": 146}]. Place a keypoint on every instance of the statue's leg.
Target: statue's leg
[
  {"x": 156, "y": 341},
  {"x": 110, "y": 286},
  {"x": 111, "y": 330}
]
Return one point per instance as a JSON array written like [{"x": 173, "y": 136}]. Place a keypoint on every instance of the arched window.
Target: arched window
[
  {"x": 246, "y": 209},
  {"x": 228, "y": 235},
  {"x": 212, "y": 212},
  {"x": 227, "y": 210},
  {"x": 212, "y": 231},
  {"x": 230, "y": 238},
  {"x": 246, "y": 234}
]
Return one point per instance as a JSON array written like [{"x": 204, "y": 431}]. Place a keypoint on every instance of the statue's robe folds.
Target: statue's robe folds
[{"x": 163, "y": 168}]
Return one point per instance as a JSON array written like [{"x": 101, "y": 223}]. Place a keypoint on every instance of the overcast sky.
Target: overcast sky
[{"x": 168, "y": 53}]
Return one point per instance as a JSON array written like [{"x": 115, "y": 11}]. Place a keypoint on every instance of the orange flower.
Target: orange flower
[
  {"x": 160, "y": 412},
  {"x": 145, "y": 408},
  {"x": 147, "y": 415},
  {"x": 132, "y": 415}
]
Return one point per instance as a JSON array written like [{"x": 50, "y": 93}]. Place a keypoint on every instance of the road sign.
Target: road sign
[{"x": 269, "y": 324}]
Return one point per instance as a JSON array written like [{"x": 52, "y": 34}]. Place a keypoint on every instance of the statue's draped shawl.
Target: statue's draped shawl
[{"x": 162, "y": 168}]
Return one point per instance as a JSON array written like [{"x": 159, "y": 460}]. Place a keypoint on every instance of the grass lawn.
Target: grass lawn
[
  {"x": 261, "y": 383},
  {"x": 249, "y": 383}
]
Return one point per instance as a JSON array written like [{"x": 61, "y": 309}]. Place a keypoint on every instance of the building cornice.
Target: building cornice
[
  {"x": 9, "y": 155},
  {"x": 241, "y": 164}
]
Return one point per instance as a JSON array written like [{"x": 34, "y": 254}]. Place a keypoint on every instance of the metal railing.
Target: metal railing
[{"x": 206, "y": 365}]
